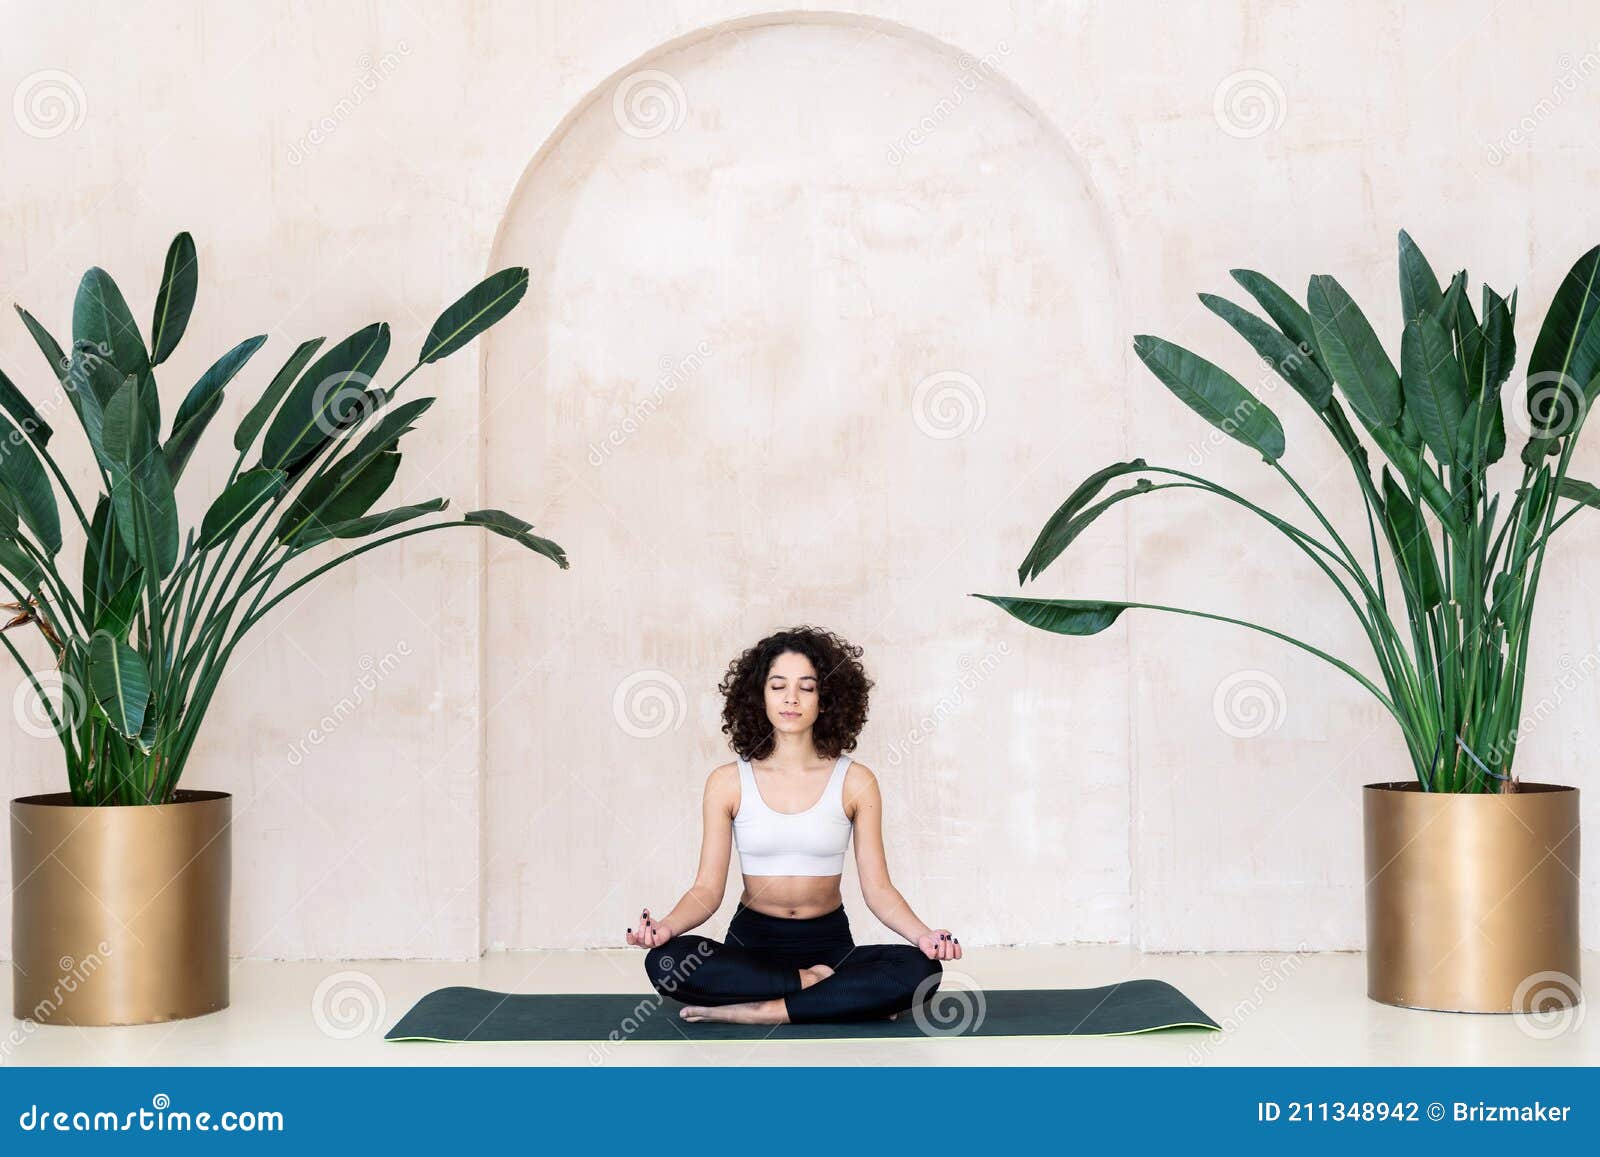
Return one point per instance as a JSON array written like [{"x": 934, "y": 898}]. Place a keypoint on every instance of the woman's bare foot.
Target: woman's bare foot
[
  {"x": 751, "y": 1012},
  {"x": 814, "y": 974}
]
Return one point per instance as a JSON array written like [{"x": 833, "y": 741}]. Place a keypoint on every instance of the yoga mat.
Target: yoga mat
[{"x": 462, "y": 1014}]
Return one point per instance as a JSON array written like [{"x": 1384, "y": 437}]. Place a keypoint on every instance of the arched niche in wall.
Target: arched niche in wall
[{"x": 822, "y": 326}]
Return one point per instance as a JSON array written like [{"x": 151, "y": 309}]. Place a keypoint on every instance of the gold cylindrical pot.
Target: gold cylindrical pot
[
  {"x": 1472, "y": 900},
  {"x": 120, "y": 914}
]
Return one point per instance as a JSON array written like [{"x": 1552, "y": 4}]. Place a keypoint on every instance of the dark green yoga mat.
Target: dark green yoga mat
[{"x": 476, "y": 1014}]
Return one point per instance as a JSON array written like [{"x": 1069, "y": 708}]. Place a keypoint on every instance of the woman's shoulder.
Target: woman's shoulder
[{"x": 723, "y": 782}]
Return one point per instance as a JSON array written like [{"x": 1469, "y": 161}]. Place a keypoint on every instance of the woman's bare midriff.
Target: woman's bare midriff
[{"x": 792, "y": 897}]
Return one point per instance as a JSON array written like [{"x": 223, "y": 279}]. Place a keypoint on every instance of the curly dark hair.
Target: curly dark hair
[{"x": 842, "y": 687}]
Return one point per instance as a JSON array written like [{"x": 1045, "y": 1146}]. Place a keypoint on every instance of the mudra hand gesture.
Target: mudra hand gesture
[{"x": 649, "y": 933}]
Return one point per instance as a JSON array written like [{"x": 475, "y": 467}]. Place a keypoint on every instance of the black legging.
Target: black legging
[{"x": 761, "y": 961}]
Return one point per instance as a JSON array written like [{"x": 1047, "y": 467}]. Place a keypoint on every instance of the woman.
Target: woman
[{"x": 792, "y": 706}]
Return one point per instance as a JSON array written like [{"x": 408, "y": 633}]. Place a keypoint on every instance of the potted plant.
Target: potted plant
[
  {"x": 121, "y": 883},
  {"x": 1472, "y": 874}
]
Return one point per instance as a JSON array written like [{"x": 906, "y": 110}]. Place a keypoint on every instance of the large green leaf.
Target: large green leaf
[
  {"x": 345, "y": 492},
  {"x": 316, "y": 405},
  {"x": 141, "y": 487},
  {"x": 20, "y": 565},
  {"x": 100, "y": 316},
  {"x": 1435, "y": 391},
  {"x": 48, "y": 346},
  {"x": 1292, "y": 363},
  {"x": 1482, "y": 441},
  {"x": 1044, "y": 550},
  {"x": 201, "y": 404},
  {"x": 180, "y": 276},
  {"x": 1566, "y": 354},
  {"x": 235, "y": 505},
  {"x": 1287, "y": 313},
  {"x": 14, "y": 403},
  {"x": 1353, "y": 354},
  {"x": 1060, "y": 616},
  {"x": 90, "y": 381},
  {"x": 120, "y": 682},
  {"x": 478, "y": 309},
  {"x": 24, "y": 478},
  {"x": 1214, "y": 394},
  {"x": 1414, "y": 545},
  {"x": 1469, "y": 345},
  {"x": 514, "y": 528},
  {"x": 108, "y": 567},
  {"x": 390, "y": 427},
  {"x": 268, "y": 402},
  {"x": 1584, "y": 493},
  {"x": 1419, "y": 288},
  {"x": 115, "y": 617},
  {"x": 373, "y": 523},
  {"x": 1499, "y": 342}
]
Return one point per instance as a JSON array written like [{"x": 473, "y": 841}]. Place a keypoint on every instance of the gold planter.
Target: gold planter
[
  {"x": 1472, "y": 900},
  {"x": 120, "y": 914}
]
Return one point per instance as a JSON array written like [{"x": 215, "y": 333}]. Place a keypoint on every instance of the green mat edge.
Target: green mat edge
[
  {"x": 687, "y": 1040},
  {"x": 1212, "y": 1027}
]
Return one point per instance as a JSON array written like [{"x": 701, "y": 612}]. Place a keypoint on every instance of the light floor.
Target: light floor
[{"x": 1277, "y": 1009}]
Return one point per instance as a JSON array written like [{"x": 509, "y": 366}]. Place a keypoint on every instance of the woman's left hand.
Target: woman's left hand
[{"x": 940, "y": 945}]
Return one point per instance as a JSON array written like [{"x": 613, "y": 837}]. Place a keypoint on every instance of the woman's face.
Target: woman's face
[{"x": 791, "y": 693}]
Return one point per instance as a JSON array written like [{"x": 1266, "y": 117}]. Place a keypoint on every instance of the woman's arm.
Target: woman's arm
[
  {"x": 704, "y": 896},
  {"x": 864, "y": 805}
]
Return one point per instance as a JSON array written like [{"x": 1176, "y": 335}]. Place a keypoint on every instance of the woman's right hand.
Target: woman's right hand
[{"x": 648, "y": 934}]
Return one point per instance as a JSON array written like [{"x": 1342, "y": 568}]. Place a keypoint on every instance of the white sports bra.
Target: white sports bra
[{"x": 808, "y": 843}]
